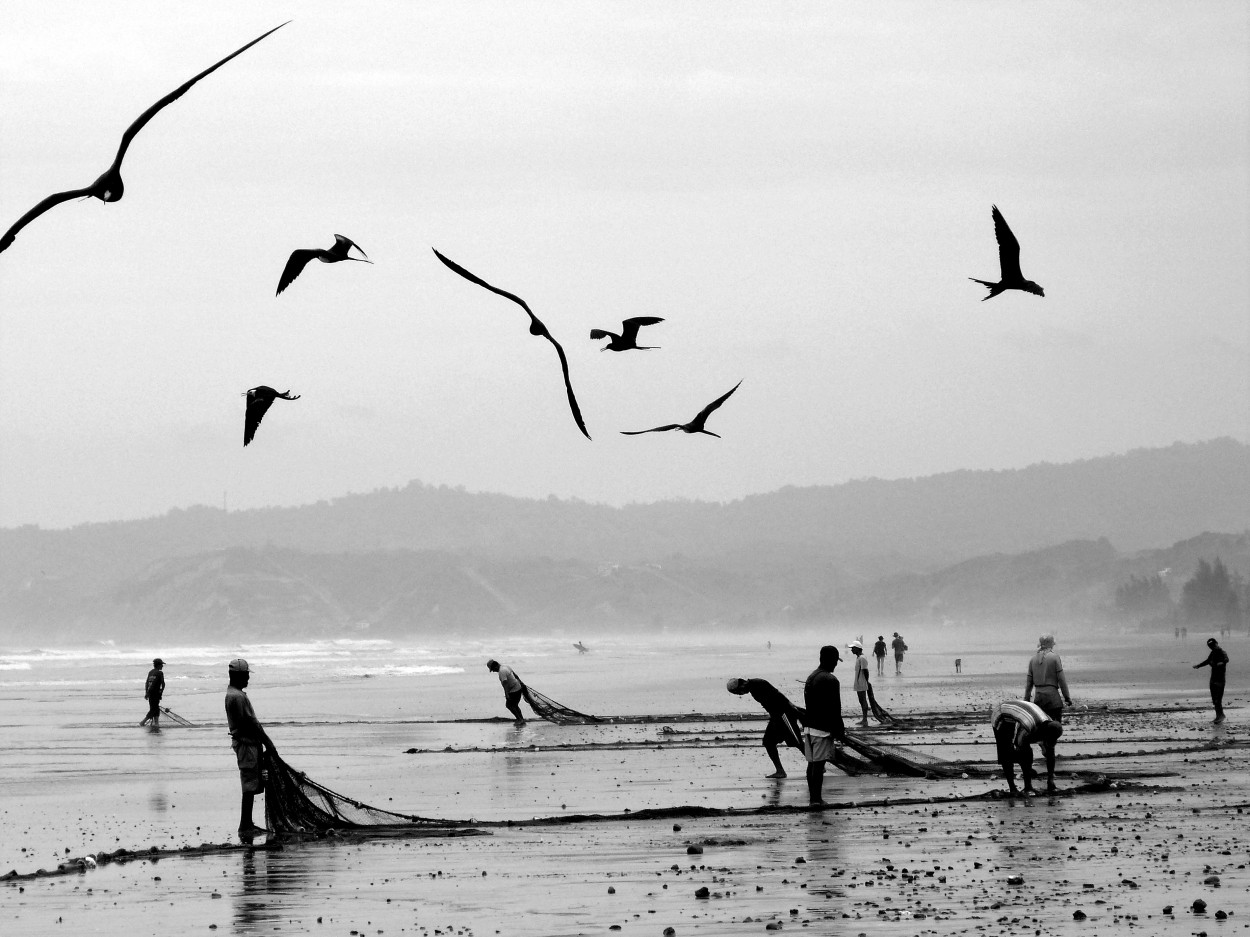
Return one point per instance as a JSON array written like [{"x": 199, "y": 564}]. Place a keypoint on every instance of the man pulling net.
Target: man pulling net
[{"x": 514, "y": 690}]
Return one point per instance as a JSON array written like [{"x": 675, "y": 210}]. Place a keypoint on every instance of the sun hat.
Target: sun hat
[
  {"x": 856, "y": 644},
  {"x": 238, "y": 665}
]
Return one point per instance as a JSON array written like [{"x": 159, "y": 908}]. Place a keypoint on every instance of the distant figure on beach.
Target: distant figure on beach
[
  {"x": 861, "y": 678},
  {"x": 513, "y": 688},
  {"x": 899, "y": 646},
  {"x": 1018, "y": 725},
  {"x": 1217, "y": 660},
  {"x": 153, "y": 690},
  {"x": 959, "y": 665},
  {"x": 785, "y": 723},
  {"x": 581, "y": 648},
  {"x": 878, "y": 651},
  {"x": 822, "y": 724},
  {"x": 1184, "y": 634},
  {"x": 247, "y": 736}
]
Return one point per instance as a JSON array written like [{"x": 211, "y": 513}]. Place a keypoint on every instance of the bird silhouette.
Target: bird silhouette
[
  {"x": 300, "y": 258},
  {"x": 1010, "y": 277},
  {"x": 694, "y": 426},
  {"x": 109, "y": 188},
  {"x": 259, "y": 400},
  {"x": 537, "y": 328},
  {"x": 628, "y": 339}
]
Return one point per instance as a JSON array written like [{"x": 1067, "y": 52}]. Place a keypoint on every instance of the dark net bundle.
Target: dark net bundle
[
  {"x": 886, "y": 758},
  {"x": 555, "y": 712},
  {"x": 295, "y": 803}
]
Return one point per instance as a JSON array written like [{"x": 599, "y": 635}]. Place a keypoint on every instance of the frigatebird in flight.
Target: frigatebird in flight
[
  {"x": 694, "y": 426},
  {"x": 259, "y": 400},
  {"x": 109, "y": 188},
  {"x": 536, "y": 328},
  {"x": 1010, "y": 277},
  {"x": 628, "y": 339},
  {"x": 300, "y": 258}
]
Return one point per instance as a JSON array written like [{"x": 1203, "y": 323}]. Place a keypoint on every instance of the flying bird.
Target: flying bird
[
  {"x": 694, "y": 426},
  {"x": 1010, "y": 277},
  {"x": 299, "y": 259},
  {"x": 536, "y": 328},
  {"x": 109, "y": 188},
  {"x": 259, "y": 400},
  {"x": 628, "y": 339}
]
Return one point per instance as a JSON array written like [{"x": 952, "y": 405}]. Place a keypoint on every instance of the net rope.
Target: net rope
[{"x": 555, "y": 712}]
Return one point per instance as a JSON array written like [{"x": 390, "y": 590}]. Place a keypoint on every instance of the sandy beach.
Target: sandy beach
[{"x": 629, "y": 827}]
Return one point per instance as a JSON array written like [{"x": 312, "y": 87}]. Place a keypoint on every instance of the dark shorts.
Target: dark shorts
[
  {"x": 511, "y": 699},
  {"x": 248, "y": 754},
  {"x": 782, "y": 728}
]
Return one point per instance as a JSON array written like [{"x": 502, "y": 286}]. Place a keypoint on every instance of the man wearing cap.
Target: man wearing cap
[
  {"x": 861, "y": 678},
  {"x": 1217, "y": 660},
  {"x": 822, "y": 724},
  {"x": 1018, "y": 725},
  {"x": 899, "y": 646},
  {"x": 513, "y": 688},
  {"x": 153, "y": 690},
  {"x": 785, "y": 719},
  {"x": 247, "y": 737}
]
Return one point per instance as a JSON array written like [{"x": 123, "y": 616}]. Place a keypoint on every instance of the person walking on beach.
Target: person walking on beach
[
  {"x": 1018, "y": 725},
  {"x": 1046, "y": 685},
  {"x": 153, "y": 690},
  {"x": 861, "y": 678},
  {"x": 247, "y": 736},
  {"x": 785, "y": 719},
  {"x": 1217, "y": 660},
  {"x": 878, "y": 651},
  {"x": 513, "y": 688},
  {"x": 899, "y": 646},
  {"x": 822, "y": 727}
]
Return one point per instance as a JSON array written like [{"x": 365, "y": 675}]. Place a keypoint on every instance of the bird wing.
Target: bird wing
[
  {"x": 707, "y": 411},
  {"x": 630, "y": 327},
  {"x": 536, "y": 328},
  {"x": 295, "y": 265},
  {"x": 49, "y": 202},
  {"x": 347, "y": 244},
  {"x": 654, "y": 429},
  {"x": 256, "y": 408},
  {"x": 600, "y": 333},
  {"x": 174, "y": 95},
  {"x": 1008, "y": 249}
]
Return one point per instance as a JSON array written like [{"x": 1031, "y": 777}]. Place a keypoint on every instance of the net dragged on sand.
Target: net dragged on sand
[
  {"x": 295, "y": 803},
  {"x": 555, "y": 712}
]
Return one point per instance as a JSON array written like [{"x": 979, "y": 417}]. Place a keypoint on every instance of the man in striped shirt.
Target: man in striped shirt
[{"x": 1019, "y": 725}]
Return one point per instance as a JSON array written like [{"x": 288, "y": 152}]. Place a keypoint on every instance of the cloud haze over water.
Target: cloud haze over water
[{"x": 800, "y": 190}]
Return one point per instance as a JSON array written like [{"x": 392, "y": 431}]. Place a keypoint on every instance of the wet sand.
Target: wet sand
[{"x": 588, "y": 829}]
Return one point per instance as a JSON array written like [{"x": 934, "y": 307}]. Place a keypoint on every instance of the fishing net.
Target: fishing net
[
  {"x": 549, "y": 709},
  {"x": 177, "y": 719},
  {"x": 295, "y": 803},
  {"x": 887, "y": 758},
  {"x": 878, "y": 710}
]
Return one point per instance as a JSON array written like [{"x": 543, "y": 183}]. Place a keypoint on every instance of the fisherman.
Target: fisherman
[
  {"x": 247, "y": 736},
  {"x": 878, "y": 651},
  {"x": 861, "y": 678},
  {"x": 1047, "y": 686},
  {"x": 899, "y": 646},
  {"x": 1217, "y": 660},
  {"x": 153, "y": 690},
  {"x": 785, "y": 719},
  {"x": 822, "y": 723},
  {"x": 1018, "y": 725},
  {"x": 513, "y": 688}
]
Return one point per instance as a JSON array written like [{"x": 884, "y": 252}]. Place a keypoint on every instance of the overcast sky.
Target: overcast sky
[{"x": 800, "y": 190}]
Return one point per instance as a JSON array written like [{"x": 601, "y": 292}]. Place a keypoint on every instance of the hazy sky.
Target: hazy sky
[{"x": 800, "y": 190}]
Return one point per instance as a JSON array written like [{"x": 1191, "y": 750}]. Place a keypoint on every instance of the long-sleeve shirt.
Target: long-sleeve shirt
[
  {"x": 155, "y": 686},
  {"x": 1217, "y": 660},
  {"x": 1045, "y": 675},
  {"x": 822, "y": 697}
]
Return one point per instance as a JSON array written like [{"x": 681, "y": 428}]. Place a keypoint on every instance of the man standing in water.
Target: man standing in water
[
  {"x": 153, "y": 690},
  {"x": 513, "y": 688},
  {"x": 247, "y": 737},
  {"x": 784, "y": 721},
  {"x": 822, "y": 697},
  {"x": 861, "y": 678},
  {"x": 1217, "y": 660},
  {"x": 899, "y": 646},
  {"x": 1046, "y": 686}
]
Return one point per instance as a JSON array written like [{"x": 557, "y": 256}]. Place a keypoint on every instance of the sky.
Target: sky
[{"x": 800, "y": 190}]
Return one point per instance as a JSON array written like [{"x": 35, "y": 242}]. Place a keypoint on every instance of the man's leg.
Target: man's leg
[
  {"x": 1217, "y": 699},
  {"x": 863, "y": 703},
  {"x": 815, "y": 781},
  {"x": 771, "y": 748},
  {"x": 513, "y": 702},
  {"x": 245, "y": 813}
]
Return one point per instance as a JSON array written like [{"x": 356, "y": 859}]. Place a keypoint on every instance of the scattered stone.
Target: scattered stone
[
  {"x": 694, "y": 850},
  {"x": 1212, "y": 880},
  {"x": 703, "y": 892},
  {"x": 1015, "y": 879},
  {"x": 1221, "y": 915},
  {"x": 1078, "y": 915},
  {"x": 1199, "y": 906},
  {"x": 611, "y": 890}
]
